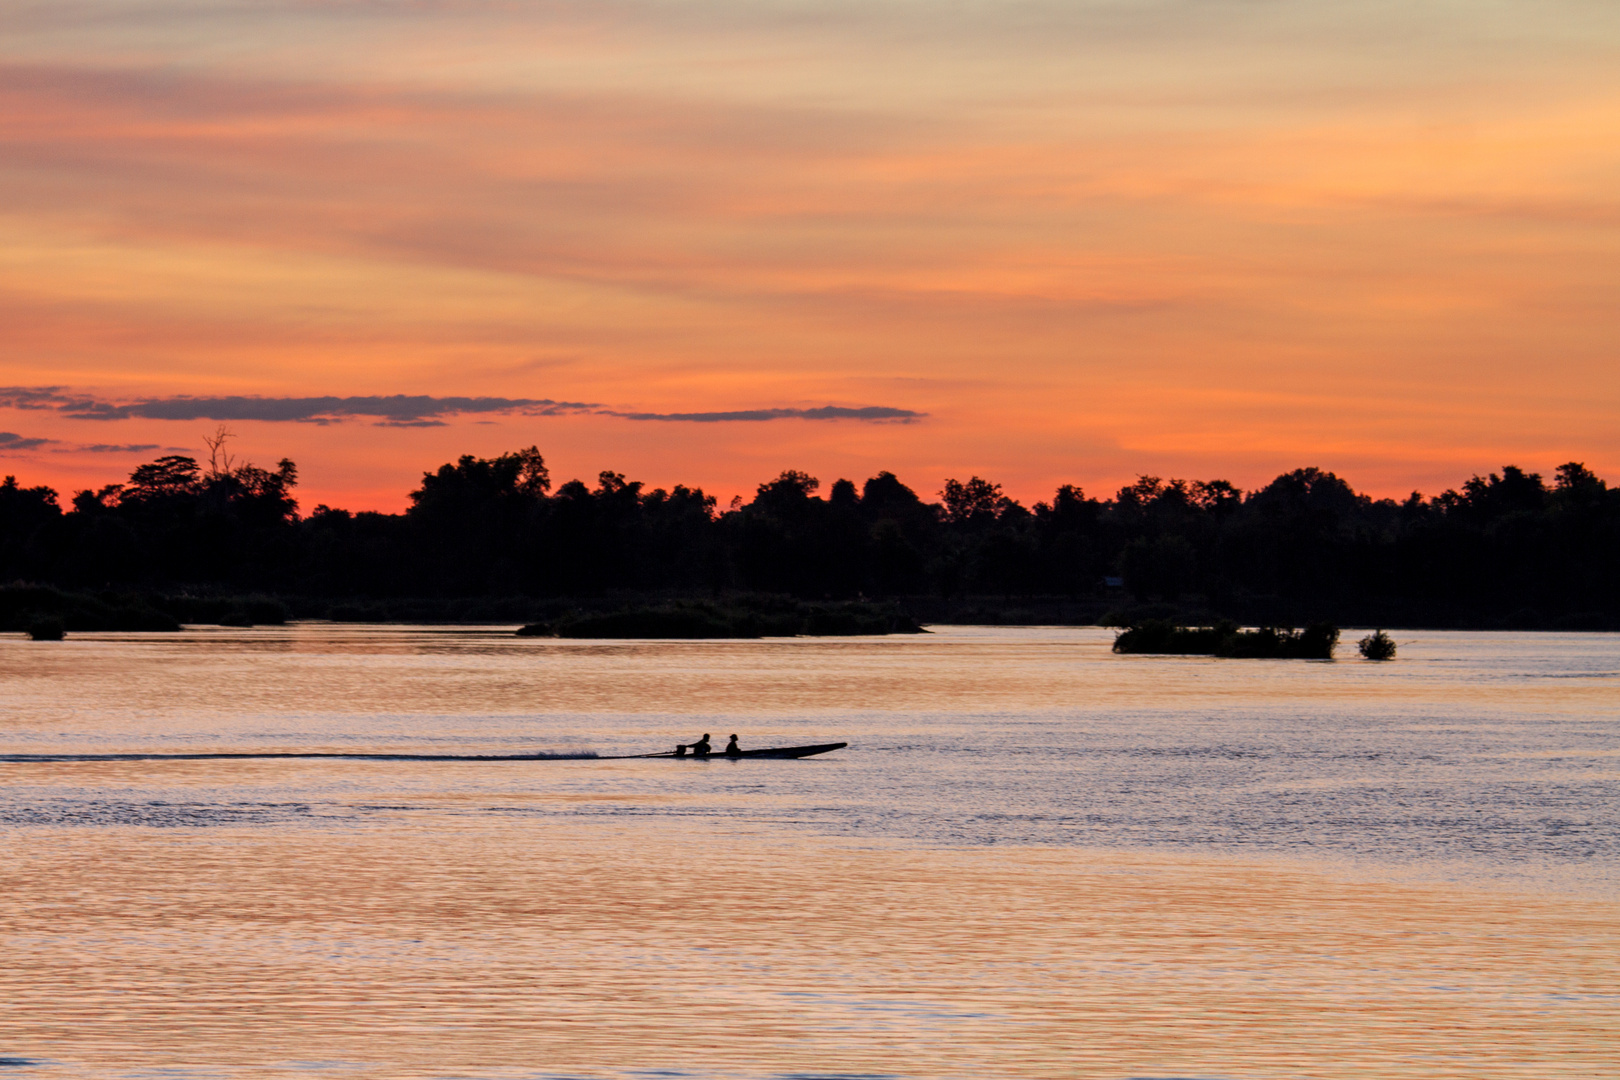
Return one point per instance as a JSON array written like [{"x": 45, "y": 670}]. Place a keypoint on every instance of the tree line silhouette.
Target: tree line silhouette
[{"x": 1504, "y": 549}]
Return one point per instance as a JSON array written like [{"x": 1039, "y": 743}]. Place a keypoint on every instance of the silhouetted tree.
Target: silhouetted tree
[{"x": 976, "y": 501}]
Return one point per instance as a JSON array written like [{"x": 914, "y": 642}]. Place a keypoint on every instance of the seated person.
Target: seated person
[
  {"x": 680, "y": 750},
  {"x": 701, "y": 747},
  {"x": 732, "y": 749}
]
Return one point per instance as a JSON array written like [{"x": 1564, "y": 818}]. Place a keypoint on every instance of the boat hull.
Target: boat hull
[{"x": 769, "y": 752}]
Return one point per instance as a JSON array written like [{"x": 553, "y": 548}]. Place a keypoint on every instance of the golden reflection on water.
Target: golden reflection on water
[
  {"x": 325, "y": 668},
  {"x": 434, "y": 946},
  {"x": 319, "y": 918}
]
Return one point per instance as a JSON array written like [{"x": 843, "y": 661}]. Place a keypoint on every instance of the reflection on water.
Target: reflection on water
[{"x": 1035, "y": 859}]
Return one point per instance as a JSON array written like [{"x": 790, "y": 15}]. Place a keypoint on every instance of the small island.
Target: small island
[{"x": 1226, "y": 639}]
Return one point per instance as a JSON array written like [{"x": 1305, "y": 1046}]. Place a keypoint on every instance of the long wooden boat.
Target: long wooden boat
[{"x": 769, "y": 752}]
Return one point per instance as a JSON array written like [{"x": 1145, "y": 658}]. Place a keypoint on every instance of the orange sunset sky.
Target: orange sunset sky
[{"x": 1040, "y": 242}]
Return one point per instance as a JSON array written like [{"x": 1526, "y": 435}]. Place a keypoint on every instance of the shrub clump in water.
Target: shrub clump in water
[
  {"x": 1226, "y": 639},
  {"x": 1377, "y": 646}
]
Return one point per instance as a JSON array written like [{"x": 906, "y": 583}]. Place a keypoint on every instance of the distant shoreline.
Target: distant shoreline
[
  {"x": 137, "y": 610},
  {"x": 488, "y": 540}
]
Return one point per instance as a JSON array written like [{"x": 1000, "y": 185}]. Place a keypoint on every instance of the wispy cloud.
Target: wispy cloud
[
  {"x": 35, "y": 397},
  {"x": 407, "y": 410},
  {"x": 390, "y": 410},
  {"x": 824, "y": 412},
  {"x": 10, "y": 441}
]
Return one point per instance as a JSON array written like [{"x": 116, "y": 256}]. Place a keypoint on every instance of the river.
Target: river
[{"x": 1034, "y": 859}]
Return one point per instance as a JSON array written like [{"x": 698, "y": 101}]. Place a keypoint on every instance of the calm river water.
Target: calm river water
[{"x": 1035, "y": 859}]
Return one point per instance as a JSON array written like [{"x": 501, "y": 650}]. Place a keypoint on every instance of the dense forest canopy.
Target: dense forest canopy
[{"x": 1509, "y": 546}]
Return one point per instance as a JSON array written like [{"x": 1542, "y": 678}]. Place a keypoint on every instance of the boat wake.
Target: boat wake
[{"x": 254, "y": 755}]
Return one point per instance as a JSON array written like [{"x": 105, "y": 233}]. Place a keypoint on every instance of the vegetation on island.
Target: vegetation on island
[
  {"x": 492, "y": 540},
  {"x": 1226, "y": 639}
]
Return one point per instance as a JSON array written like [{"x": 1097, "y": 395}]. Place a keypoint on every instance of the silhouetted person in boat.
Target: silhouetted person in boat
[
  {"x": 680, "y": 750},
  {"x": 732, "y": 749},
  {"x": 701, "y": 747}
]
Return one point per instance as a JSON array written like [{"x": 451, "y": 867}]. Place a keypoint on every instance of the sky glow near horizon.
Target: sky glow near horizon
[{"x": 1038, "y": 242}]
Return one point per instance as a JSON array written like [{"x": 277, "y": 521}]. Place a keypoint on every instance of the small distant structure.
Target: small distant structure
[{"x": 47, "y": 629}]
